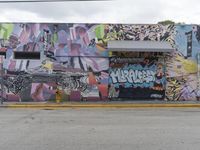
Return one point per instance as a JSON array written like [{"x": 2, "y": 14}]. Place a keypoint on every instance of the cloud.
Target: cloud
[
  {"x": 116, "y": 11},
  {"x": 21, "y": 16}
]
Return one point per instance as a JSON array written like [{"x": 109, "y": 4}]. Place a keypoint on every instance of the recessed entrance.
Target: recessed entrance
[{"x": 137, "y": 74}]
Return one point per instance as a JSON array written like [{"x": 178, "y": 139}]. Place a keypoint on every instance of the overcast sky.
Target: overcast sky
[{"x": 116, "y": 11}]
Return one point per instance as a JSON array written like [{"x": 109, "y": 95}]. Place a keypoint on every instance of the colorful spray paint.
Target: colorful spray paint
[{"x": 78, "y": 54}]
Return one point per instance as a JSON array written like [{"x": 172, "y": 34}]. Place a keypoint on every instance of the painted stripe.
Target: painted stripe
[{"x": 99, "y": 105}]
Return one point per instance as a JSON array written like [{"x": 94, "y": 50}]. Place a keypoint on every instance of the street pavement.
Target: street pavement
[{"x": 100, "y": 129}]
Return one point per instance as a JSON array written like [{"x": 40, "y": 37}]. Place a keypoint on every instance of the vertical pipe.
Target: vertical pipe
[
  {"x": 165, "y": 70},
  {"x": 198, "y": 75},
  {"x": 1, "y": 79}
]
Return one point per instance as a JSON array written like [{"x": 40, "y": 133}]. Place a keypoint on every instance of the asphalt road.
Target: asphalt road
[{"x": 100, "y": 129}]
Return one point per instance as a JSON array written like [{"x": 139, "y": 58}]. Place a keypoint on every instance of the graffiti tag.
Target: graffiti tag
[{"x": 132, "y": 76}]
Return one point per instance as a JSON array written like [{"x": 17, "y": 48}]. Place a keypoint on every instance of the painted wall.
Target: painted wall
[
  {"x": 74, "y": 57},
  {"x": 137, "y": 78}
]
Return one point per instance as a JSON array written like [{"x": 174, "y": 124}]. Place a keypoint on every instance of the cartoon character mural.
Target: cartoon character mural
[{"x": 82, "y": 48}]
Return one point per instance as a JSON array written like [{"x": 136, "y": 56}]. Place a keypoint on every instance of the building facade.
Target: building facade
[{"x": 75, "y": 60}]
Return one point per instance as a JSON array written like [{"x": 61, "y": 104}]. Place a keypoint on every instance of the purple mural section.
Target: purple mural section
[
  {"x": 74, "y": 59},
  {"x": 69, "y": 60}
]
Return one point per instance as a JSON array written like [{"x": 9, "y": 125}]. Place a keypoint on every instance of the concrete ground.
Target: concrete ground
[{"x": 100, "y": 129}]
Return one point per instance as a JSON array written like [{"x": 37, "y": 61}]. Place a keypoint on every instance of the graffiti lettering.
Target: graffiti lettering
[
  {"x": 156, "y": 96},
  {"x": 125, "y": 60},
  {"x": 132, "y": 76}
]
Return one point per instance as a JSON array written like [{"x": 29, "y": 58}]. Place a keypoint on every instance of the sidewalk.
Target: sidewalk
[{"x": 104, "y": 104}]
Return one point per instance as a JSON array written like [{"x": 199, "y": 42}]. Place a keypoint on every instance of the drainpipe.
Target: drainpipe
[
  {"x": 2, "y": 79},
  {"x": 198, "y": 77}
]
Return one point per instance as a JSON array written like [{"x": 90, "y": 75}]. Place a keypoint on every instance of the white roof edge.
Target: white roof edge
[{"x": 140, "y": 46}]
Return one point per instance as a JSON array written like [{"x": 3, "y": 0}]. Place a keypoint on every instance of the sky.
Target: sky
[{"x": 115, "y": 11}]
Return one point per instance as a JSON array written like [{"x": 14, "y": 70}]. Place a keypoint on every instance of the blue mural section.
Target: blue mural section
[
  {"x": 130, "y": 80},
  {"x": 182, "y": 76},
  {"x": 134, "y": 75},
  {"x": 186, "y": 40}
]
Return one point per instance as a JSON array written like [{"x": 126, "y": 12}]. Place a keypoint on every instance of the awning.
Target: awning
[{"x": 140, "y": 46}]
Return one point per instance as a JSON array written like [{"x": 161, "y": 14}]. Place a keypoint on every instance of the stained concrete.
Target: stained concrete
[{"x": 100, "y": 129}]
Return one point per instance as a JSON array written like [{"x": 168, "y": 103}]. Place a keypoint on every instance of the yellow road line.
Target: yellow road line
[{"x": 99, "y": 105}]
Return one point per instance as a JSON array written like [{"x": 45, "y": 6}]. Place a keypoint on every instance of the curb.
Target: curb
[{"x": 54, "y": 106}]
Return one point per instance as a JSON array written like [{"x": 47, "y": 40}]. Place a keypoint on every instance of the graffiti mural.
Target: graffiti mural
[
  {"x": 129, "y": 77},
  {"x": 70, "y": 59},
  {"x": 182, "y": 64},
  {"x": 75, "y": 59},
  {"x": 139, "y": 32}
]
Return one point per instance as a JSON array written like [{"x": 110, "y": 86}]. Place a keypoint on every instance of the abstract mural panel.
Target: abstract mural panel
[{"x": 182, "y": 64}]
